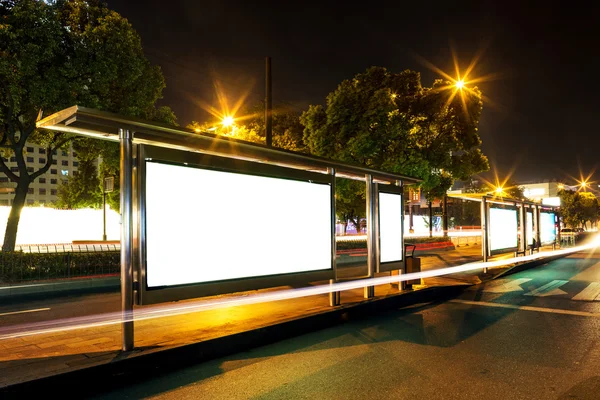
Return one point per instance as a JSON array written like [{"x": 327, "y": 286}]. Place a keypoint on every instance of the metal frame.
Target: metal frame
[
  {"x": 507, "y": 249},
  {"x": 104, "y": 125},
  {"x": 396, "y": 264},
  {"x": 147, "y": 295},
  {"x": 556, "y": 230}
]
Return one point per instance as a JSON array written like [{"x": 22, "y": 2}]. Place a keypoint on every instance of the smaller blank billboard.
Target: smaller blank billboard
[
  {"x": 529, "y": 227},
  {"x": 547, "y": 227},
  {"x": 390, "y": 227},
  {"x": 503, "y": 229}
]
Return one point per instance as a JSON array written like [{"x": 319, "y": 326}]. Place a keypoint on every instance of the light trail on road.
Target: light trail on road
[{"x": 169, "y": 310}]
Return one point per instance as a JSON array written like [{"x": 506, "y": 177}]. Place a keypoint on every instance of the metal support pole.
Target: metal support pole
[
  {"x": 402, "y": 284},
  {"x": 126, "y": 147},
  {"x": 104, "y": 219},
  {"x": 371, "y": 235},
  {"x": 334, "y": 296},
  {"x": 268, "y": 103},
  {"x": 430, "y": 218},
  {"x": 523, "y": 244},
  {"x": 484, "y": 231},
  {"x": 445, "y": 215}
]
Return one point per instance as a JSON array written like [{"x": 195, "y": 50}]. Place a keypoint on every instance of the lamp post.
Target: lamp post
[{"x": 109, "y": 186}]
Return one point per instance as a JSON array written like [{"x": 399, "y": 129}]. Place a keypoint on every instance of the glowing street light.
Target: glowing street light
[
  {"x": 499, "y": 190},
  {"x": 227, "y": 121},
  {"x": 584, "y": 185},
  {"x": 459, "y": 84}
]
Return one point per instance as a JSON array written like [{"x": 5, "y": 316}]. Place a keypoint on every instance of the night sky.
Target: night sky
[{"x": 541, "y": 104}]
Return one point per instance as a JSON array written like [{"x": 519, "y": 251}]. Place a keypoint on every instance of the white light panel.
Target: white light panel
[
  {"x": 206, "y": 226},
  {"x": 503, "y": 228},
  {"x": 547, "y": 228},
  {"x": 529, "y": 228},
  {"x": 390, "y": 227}
]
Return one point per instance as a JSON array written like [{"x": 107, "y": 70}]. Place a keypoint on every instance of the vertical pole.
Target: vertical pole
[
  {"x": 484, "y": 231},
  {"x": 402, "y": 284},
  {"x": 369, "y": 291},
  {"x": 268, "y": 104},
  {"x": 445, "y": 215},
  {"x": 430, "y": 218},
  {"x": 334, "y": 296},
  {"x": 126, "y": 161},
  {"x": 523, "y": 244},
  {"x": 104, "y": 219}
]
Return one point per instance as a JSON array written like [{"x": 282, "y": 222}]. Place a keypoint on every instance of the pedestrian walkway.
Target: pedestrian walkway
[{"x": 32, "y": 357}]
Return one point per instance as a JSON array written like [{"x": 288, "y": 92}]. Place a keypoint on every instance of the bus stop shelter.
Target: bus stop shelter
[{"x": 182, "y": 194}]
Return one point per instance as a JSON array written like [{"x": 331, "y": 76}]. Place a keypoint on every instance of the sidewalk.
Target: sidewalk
[{"x": 39, "y": 356}]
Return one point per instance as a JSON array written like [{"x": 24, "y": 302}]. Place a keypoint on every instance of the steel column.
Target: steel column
[
  {"x": 484, "y": 231},
  {"x": 372, "y": 234},
  {"x": 126, "y": 161},
  {"x": 334, "y": 296}
]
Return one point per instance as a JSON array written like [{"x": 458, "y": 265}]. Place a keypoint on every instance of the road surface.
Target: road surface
[{"x": 531, "y": 335}]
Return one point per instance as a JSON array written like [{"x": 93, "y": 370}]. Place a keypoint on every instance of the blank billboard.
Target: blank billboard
[
  {"x": 207, "y": 225},
  {"x": 547, "y": 228},
  {"x": 529, "y": 228},
  {"x": 390, "y": 227},
  {"x": 503, "y": 228}
]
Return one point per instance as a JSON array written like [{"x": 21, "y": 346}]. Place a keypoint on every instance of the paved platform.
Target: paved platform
[{"x": 44, "y": 355}]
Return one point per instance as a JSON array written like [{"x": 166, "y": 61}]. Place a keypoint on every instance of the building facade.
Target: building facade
[{"x": 43, "y": 190}]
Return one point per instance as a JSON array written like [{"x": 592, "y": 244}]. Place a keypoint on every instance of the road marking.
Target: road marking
[
  {"x": 505, "y": 285},
  {"x": 527, "y": 308},
  {"x": 24, "y": 311},
  {"x": 590, "y": 293},
  {"x": 549, "y": 289}
]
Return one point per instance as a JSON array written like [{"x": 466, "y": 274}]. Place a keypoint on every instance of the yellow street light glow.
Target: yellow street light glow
[
  {"x": 499, "y": 190},
  {"x": 459, "y": 84},
  {"x": 583, "y": 184},
  {"x": 227, "y": 121}
]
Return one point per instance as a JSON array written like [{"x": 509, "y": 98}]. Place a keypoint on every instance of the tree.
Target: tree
[
  {"x": 287, "y": 130},
  {"x": 57, "y": 54},
  {"x": 579, "y": 208},
  {"x": 388, "y": 121}
]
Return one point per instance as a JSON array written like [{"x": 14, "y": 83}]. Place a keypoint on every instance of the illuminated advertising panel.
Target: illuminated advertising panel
[
  {"x": 547, "y": 227},
  {"x": 390, "y": 227},
  {"x": 503, "y": 229},
  {"x": 206, "y": 225},
  {"x": 529, "y": 228}
]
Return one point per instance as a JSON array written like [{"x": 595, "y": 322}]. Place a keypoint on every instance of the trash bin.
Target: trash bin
[{"x": 413, "y": 264}]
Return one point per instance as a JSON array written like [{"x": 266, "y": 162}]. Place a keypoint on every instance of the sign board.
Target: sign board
[
  {"x": 390, "y": 225},
  {"x": 547, "y": 227},
  {"x": 216, "y": 225},
  {"x": 529, "y": 231},
  {"x": 503, "y": 229}
]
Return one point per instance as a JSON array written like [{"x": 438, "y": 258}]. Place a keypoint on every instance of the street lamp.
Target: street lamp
[
  {"x": 227, "y": 121},
  {"x": 459, "y": 84}
]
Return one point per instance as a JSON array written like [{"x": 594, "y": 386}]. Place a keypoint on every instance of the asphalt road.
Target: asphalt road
[{"x": 531, "y": 335}]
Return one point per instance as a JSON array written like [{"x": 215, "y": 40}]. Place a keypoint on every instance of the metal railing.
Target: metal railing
[
  {"x": 67, "y": 248},
  {"x": 465, "y": 240}
]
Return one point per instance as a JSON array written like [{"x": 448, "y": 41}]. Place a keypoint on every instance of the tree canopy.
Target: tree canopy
[
  {"x": 57, "y": 54},
  {"x": 389, "y": 121},
  {"x": 579, "y": 208}
]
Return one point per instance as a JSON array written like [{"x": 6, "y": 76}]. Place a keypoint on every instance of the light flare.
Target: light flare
[{"x": 168, "y": 310}]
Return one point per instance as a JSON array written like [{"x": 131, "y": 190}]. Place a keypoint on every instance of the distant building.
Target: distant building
[
  {"x": 45, "y": 188},
  {"x": 543, "y": 192}
]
